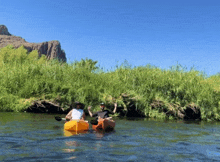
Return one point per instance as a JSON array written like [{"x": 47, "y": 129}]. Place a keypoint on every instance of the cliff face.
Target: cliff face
[
  {"x": 4, "y": 30},
  {"x": 52, "y": 49}
]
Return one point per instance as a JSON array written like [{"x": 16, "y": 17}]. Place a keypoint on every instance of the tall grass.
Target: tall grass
[{"x": 24, "y": 77}]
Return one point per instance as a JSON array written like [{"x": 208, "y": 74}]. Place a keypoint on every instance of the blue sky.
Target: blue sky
[{"x": 160, "y": 33}]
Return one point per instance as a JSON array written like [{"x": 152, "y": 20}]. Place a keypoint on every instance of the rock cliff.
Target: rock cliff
[{"x": 52, "y": 49}]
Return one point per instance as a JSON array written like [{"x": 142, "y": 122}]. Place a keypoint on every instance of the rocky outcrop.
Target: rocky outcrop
[
  {"x": 52, "y": 49},
  {"x": 190, "y": 112},
  {"x": 4, "y": 30},
  {"x": 43, "y": 106}
]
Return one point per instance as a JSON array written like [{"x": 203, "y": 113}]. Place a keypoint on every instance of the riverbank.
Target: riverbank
[{"x": 141, "y": 91}]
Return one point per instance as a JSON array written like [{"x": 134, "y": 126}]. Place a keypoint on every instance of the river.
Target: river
[{"x": 39, "y": 137}]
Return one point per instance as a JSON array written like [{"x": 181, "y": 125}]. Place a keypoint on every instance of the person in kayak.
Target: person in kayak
[
  {"x": 101, "y": 114},
  {"x": 76, "y": 113}
]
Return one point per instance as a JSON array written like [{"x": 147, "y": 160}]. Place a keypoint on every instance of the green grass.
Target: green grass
[{"x": 24, "y": 77}]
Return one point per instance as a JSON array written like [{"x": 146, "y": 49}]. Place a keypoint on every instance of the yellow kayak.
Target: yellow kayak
[
  {"x": 76, "y": 125},
  {"x": 72, "y": 133}
]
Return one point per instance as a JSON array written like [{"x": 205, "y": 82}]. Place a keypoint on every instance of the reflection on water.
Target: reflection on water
[
  {"x": 71, "y": 148},
  {"x": 74, "y": 146},
  {"x": 72, "y": 133},
  {"x": 38, "y": 137}
]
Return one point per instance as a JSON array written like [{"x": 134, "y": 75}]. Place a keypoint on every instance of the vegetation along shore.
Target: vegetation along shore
[{"x": 29, "y": 83}]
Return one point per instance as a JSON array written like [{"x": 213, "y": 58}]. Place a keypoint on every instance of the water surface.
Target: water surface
[{"x": 39, "y": 137}]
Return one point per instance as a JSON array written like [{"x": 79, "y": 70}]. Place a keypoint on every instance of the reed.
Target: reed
[{"x": 24, "y": 77}]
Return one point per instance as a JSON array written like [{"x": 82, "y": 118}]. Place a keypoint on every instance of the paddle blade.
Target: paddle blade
[{"x": 58, "y": 118}]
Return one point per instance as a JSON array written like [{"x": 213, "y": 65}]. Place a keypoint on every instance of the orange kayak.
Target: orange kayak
[
  {"x": 104, "y": 125},
  {"x": 76, "y": 125}
]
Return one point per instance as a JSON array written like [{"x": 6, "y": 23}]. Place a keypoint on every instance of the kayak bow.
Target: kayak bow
[{"x": 76, "y": 125}]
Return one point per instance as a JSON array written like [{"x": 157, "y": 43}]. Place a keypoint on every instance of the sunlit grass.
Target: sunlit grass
[{"x": 24, "y": 77}]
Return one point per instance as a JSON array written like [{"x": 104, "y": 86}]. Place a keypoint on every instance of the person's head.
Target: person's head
[
  {"x": 102, "y": 106},
  {"x": 79, "y": 105}
]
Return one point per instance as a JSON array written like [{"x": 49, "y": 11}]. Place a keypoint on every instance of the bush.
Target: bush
[{"x": 24, "y": 76}]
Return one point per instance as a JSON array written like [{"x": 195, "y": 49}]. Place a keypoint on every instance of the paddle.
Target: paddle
[{"x": 59, "y": 118}]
